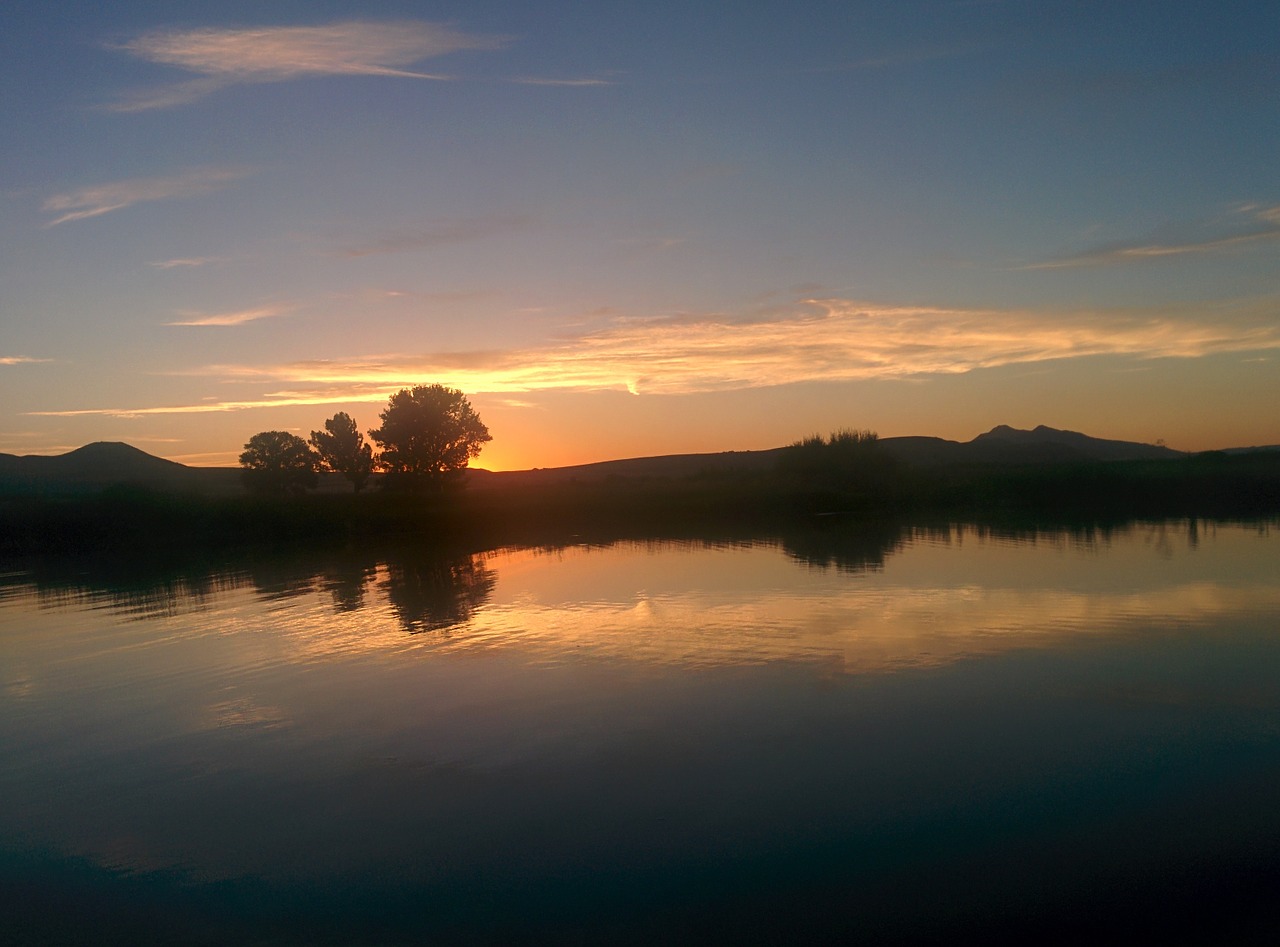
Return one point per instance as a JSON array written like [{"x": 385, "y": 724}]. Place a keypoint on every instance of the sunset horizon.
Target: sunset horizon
[
  {"x": 637, "y": 232},
  {"x": 231, "y": 459}
]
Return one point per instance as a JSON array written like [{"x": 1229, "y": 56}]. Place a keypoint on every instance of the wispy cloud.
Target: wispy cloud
[
  {"x": 827, "y": 340},
  {"x": 224, "y": 57},
  {"x": 184, "y": 262},
  {"x": 1249, "y": 224},
  {"x": 20, "y": 360},
  {"x": 239, "y": 317},
  {"x": 439, "y": 234},
  {"x": 274, "y": 400},
  {"x": 99, "y": 199},
  {"x": 530, "y": 80}
]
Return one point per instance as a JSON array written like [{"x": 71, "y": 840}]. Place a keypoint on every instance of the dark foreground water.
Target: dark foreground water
[{"x": 901, "y": 735}]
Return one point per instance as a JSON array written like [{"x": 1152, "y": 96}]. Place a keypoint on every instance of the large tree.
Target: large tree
[
  {"x": 342, "y": 449},
  {"x": 428, "y": 435},
  {"x": 278, "y": 462}
]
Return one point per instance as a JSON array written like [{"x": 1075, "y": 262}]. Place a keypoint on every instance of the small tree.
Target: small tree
[
  {"x": 428, "y": 435},
  {"x": 342, "y": 449},
  {"x": 278, "y": 462}
]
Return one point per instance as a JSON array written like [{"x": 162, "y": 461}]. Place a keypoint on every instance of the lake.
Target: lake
[{"x": 883, "y": 734}]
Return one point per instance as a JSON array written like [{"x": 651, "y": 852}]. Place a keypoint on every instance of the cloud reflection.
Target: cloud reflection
[
  {"x": 859, "y": 630},
  {"x": 894, "y": 600}
]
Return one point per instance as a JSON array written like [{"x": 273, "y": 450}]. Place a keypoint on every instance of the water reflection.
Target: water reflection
[
  {"x": 345, "y": 582},
  {"x": 428, "y": 589},
  {"x": 864, "y": 548},
  {"x": 987, "y": 716},
  {"x": 141, "y": 597},
  {"x": 722, "y": 600},
  {"x": 282, "y": 579},
  {"x": 432, "y": 592}
]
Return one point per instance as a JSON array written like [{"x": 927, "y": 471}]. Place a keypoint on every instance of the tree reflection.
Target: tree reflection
[
  {"x": 430, "y": 588},
  {"x": 431, "y": 591},
  {"x": 281, "y": 578},
  {"x": 861, "y": 547},
  {"x": 345, "y": 582}
]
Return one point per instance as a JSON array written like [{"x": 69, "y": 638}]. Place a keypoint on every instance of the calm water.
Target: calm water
[{"x": 904, "y": 733}]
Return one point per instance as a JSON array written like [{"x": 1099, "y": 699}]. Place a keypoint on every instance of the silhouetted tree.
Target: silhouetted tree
[
  {"x": 278, "y": 462},
  {"x": 428, "y": 435},
  {"x": 342, "y": 449}
]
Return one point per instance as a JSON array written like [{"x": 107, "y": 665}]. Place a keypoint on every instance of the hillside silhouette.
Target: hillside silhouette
[
  {"x": 103, "y": 464},
  {"x": 110, "y": 498},
  {"x": 1002, "y": 445},
  {"x": 96, "y": 461}
]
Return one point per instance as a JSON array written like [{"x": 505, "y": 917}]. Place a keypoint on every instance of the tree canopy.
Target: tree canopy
[
  {"x": 428, "y": 435},
  {"x": 342, "y": 449},
  {"x": 278, "y": 462}
]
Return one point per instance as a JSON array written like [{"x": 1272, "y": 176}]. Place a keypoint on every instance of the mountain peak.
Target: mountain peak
[
  {"x": 1048, "y": 443},
  {"x": 1002, "y": 431},
  {"x": 1040, "y": 433},
  {"x": 116, "y": 454},
  {"x": 99, "y": 448}
]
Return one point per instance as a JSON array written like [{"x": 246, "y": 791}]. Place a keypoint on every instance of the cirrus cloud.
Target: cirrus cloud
[
  {"x": 224, "y": 57},
  {"x": 820, "y": 340},
  {"x": 190, "y": 261},
  {"x": 99, "y": 199},
  {"x": 1246, "y": 225},
  {"x": 579, "y": 83},
  {"x": 237, "y": 318}
]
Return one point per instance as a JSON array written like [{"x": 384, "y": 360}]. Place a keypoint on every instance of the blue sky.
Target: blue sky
[{"x": 629, "y": 229}]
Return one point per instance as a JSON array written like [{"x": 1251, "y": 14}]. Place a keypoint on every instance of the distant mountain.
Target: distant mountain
[
  {"x": 1008, "y": 445},
  {"x": 1093, "y": 448},
  {"x": 104, "y": 464},
  {"x": 1000, "y": 445},
  {"x": 105, "y": 460}
]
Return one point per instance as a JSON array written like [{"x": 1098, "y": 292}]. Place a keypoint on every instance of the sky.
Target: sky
[{"x": 629, "y": 229}]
